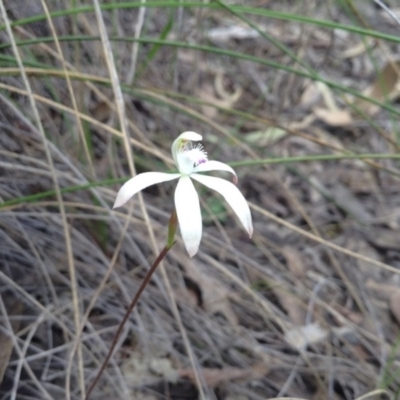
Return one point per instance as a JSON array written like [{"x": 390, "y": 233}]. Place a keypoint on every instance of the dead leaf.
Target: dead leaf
[
  {"x": 386, "y": 86},
  {"x": 311, "y": 93},
  {"x": 217, "y": 95},
  {"x": 383, "y": 238},
  {"x": 333, "y": 117},
  {"x": 215, "y": 377},
  {"x": 237, "y": 32},
  {"x": 394, "y": 304},
  {"x": 327, "y": 95},
  {"x": 220, "y": 89},
  {"x": 360, "y": 351},
  {"x": 189, "y": 294},
  {"x": 302, "y": 336},
  {"x": 302, "y": 124},
  {"x": 294, "y": 260},
  {"x": 6, "y": 342},
  {"x": 357, "y": 244},
  {"x": 358, "y": 49},
  {"x": 331, "y": 114},
  {"x": 207, "y": 93},
  {"x": 215, "y": 296},
  {"x": 345, "y": 198},
  {"x": 163, "y": 367},
  {"x": 140, "y": 370},
  {"x": 101, "y": 111},
  {"x": 382, "y": 290},
  {"x": 359, "y": 180},
  {"x": 292, "y": 304}
]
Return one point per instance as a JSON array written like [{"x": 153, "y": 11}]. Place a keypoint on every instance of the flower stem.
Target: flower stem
[{"x": 172, "y": 226}]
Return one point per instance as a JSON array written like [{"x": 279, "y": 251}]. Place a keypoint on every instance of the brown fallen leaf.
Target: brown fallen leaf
[
  {"x": 358, "y": 49},
  {"x": 292, "y": 304},
  {"x": 360, "y": 351},
  {"x": 139, "y": 370},
  {"x": 217, "y": 95},
  {"x": 385, "y": 87},
  {"x": 366, "y": 249},
  {"x": 344, "y": 197},
  {"x": 206, "y": 93},
  {"x": 237, "y": 32},
  {"x": 383, "y": 290},
  {"x": 333, "y": 117},
  {"x": 311, "y": 93},
  {"x": 214, "y": 294},
  {"x": 101, "y": 111},
  {"x": 330, "y": 113},
  {"x": 294, "y": 260},
  {"x": 358, "y": 179},
  {"x": 214, "y": 377},
  {"x": 295, "y": 308}
]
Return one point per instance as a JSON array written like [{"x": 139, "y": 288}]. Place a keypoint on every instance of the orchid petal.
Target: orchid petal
[
  {"x": 189, "y": 216},
  {"x": 232, "y": 195},
  {"x": 180, "y": 141},
  {"x": 190, "y": 135},
  {"x": 215, "y": 166},
  {"x": 140, "y": 182}
]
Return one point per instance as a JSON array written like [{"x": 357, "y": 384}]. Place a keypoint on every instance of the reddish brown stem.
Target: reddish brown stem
[{"x": 143, "y": 285}]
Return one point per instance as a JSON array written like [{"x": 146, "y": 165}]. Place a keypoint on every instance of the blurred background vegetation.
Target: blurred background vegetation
[{"x": 300, "y": 97}]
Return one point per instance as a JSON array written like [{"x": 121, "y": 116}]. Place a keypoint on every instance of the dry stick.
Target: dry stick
[{"x": 126, "y": 316}]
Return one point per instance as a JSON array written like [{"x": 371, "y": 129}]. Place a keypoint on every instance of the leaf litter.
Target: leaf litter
[{"x": 310, "y": 326}]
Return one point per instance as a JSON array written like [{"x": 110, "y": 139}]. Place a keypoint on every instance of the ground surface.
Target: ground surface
[{"x": 307, "y": 308}]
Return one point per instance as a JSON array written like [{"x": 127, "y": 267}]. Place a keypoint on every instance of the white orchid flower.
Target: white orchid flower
[{"x": 191, "y": 159}]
